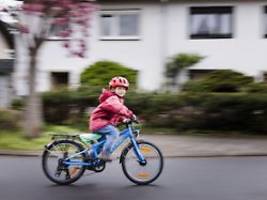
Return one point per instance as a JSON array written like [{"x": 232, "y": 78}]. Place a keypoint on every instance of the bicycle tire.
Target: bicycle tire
[
  {"x": 126, "y": 170},
  {"x": 46, "y": 153}
]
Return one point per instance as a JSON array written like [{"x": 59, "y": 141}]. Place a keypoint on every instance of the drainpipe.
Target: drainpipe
[{"x": 163, "y": 36}]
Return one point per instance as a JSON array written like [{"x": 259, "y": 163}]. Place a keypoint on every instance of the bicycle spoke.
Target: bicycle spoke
[
  {"x": 143, "y": 172},
  {"x": 54, "y": 164}
]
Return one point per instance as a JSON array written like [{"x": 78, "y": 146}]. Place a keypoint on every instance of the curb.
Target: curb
[
  {"x": 20, "y": 154},
  {"x": 39, "y": 154}
]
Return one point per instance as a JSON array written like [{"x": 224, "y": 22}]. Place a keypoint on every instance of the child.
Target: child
[{"x": 110, "y": 112}]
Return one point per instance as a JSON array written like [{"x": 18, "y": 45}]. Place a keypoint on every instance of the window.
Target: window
[
  {"x": 265, "y": 77},
  {"x": 265, "y": 21},
  {"x": 59, "y": 79},
  {"x": 211, "y": 22},
  {"x": 119, "y": 25},
  {"x": 55, "y": 31}
]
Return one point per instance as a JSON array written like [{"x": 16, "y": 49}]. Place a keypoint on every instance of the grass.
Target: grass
[{"x": 14, "y": 140}]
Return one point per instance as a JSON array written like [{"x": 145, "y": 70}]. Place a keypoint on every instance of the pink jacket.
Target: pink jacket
[{"x": 110, "y": 111}]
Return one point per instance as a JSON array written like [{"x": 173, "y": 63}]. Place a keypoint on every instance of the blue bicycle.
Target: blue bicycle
[{"x": 67, "y": 157}]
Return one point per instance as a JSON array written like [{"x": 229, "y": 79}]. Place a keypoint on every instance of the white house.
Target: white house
[
  {"x": 143, "y": 34},
  {"x": 6, "y": 65}
]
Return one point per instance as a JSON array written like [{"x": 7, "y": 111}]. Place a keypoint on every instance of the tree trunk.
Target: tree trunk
[{"x": 33, "y": 117}]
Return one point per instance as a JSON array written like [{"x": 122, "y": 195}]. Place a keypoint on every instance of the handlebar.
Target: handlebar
[{"x": 130, "y": 121}]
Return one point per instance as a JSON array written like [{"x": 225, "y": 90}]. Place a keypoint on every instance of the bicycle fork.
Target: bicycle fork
[{"x": 138, "y": 153}]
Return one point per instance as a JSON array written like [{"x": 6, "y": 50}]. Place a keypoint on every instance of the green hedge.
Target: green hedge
[
  {"x": 219, "y": 81},
  {"x": 100, "y": 73},
  {"x": 216, "y": 111},
  {"x": 10, "y": 120},
  {"x": 256, "y": 88},
  {"x": 67, "y": 107}
]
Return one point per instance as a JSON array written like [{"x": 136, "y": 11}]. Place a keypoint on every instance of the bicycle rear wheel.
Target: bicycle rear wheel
[
  {"x": 137, "y": 172},
  {"x": 54, "y": 167}
]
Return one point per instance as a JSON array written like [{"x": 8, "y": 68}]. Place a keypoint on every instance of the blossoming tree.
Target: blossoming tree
[{"x": 35, "y": 21}]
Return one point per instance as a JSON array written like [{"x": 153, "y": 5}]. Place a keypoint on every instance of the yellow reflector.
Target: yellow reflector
[
  {"x": 73, "y": 171},
  {"x": 145, "y": 149},
  {"x": 143, "y": 175}
]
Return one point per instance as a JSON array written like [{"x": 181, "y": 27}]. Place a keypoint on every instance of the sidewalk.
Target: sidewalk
[
  {"x": 176, "y": 146},
  {"x": 192, "y": 146}
]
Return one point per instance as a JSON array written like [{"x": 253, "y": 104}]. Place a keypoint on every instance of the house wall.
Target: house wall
[
  {"x": 245, "y": 52},
  {"x": 164, "y": 32},
  {"x": 5, "y": 79},
  {"x": 5, "y": 93},
  {"x": 3, "y": 47}
]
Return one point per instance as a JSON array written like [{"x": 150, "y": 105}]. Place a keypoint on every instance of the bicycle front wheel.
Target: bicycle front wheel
[
  {"x": 142, "y": 173},
  {"x": 53, "y": 162}
]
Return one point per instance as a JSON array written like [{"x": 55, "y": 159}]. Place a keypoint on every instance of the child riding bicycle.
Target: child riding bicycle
[
  {"x": 65, "y": 158},
  {"x": 110, "y": 112}
]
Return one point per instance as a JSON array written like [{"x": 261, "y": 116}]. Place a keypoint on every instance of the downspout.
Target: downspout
[{"x": 163, "y": 38}]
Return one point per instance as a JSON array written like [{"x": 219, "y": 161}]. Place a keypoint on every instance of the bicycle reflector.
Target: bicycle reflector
[
  {"x": 143, "y": 175},
  {"x": 145, "y": 149}
]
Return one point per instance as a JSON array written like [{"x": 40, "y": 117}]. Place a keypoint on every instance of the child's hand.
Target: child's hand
[
  {"x": 134, "y": 117},
  {"x": 126, "y": 120}
]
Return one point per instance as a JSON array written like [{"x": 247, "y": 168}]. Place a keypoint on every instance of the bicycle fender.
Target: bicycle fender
[
  {"x": 49, "y": 145},
  {"x": 125, "y": 151}
]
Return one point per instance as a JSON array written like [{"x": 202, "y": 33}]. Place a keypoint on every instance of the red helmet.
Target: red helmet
[{"x": 118, "y": 81}]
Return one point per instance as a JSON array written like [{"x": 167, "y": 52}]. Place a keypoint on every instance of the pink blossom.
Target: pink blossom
[
  {"x": 64, "y": 34},
  {"x": 80, "y": 54},
  {"x": 60, "y": 21},
  {"x": 65, "y": 12},
  {"x": 66, "y": 45},
  {"x": 33, "y": 7},
  {"x": 23, "y": 28}
]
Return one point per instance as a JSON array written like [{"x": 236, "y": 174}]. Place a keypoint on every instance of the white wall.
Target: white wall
[
  {"x": 5, "y": 89},
  {"x": 245, "y": 52},
  {"x": 143, "y": 55},
  {"x": 3, "y": 47}
]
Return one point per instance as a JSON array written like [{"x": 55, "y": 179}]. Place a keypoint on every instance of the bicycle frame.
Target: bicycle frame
[{"x": 96, "y": 149}]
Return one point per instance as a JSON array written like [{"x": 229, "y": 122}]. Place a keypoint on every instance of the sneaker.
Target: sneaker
[
  {"x": 105, "y": 157},
  {"x": 74, "y": 171}
]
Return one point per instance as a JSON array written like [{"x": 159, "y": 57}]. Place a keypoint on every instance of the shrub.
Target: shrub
[
  {"x": 179, "y": 62},
  {"x": 10, "y": 120},
  {"x": 17, "y": 104},
  {"x": 66, "y": 106},
  {"x": 100, "y": 73},
  {"x": 219, "y": 81},
  {"x": 184, "y": 111},
  {"x": 256, "y": 88}
]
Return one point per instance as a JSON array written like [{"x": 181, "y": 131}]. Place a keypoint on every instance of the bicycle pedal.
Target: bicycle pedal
[{"x": 88, "y": 159}]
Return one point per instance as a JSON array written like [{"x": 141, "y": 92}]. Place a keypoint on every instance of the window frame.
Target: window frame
[
  {"x": 53, "y": 37},
  {"x": 55, "y": 75},
  {"x": 217, "y": 10},
  {"x": 265, "y": 21},
  {"x": 116, "y": 29}
]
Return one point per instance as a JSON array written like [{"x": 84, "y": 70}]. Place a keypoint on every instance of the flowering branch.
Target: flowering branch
[{"x": 37, "y": 20}]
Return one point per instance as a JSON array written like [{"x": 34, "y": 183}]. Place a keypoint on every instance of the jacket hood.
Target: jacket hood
[{"x": 105, "y": 94}]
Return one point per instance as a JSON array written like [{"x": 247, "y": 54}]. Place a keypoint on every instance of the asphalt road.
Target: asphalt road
[{"x": 224, "y": 178}]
